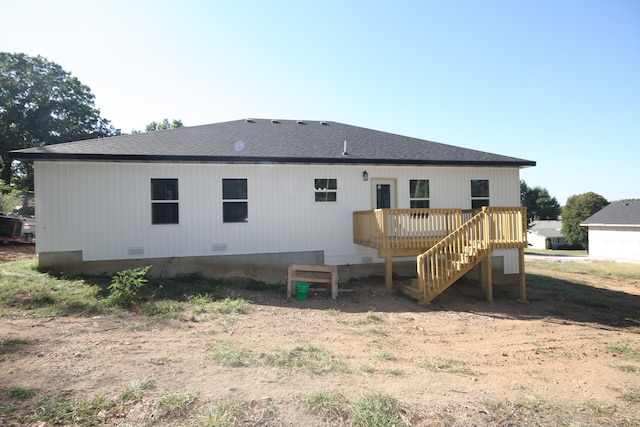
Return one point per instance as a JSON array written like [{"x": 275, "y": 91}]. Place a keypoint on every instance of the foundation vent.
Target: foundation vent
[
  {"x": 219, "y": 247},
  {"x": 135, "y": 250}
]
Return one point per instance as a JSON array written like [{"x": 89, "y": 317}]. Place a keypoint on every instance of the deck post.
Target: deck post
[
  {"x": 488, "y": 278},
  {"x": 523, "y": 283},
  {"x": 388, "y": 272}
]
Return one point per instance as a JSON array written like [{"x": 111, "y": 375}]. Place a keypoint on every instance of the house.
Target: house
[
  {"x": 614, "y": 232},
  {"x": 250, "y": 197},
  {"x": 546, "y": 234}
]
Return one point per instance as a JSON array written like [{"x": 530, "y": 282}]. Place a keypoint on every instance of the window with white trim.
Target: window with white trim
[
  {"x": 326, "y": 189},
  {"x": 419, "y": 193}
]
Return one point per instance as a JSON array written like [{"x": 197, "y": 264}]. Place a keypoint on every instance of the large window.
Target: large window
[
  {"x": 164, "y": 201},
  {"x": 419, "y": 193},
  {"x": 235, "y": 204},
  {"x": 326, "y": 189},
  {"x": 479, "y": 193}
]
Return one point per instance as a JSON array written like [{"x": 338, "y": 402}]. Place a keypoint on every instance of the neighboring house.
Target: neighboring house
[
  {"x": 249, "y": 197},
  {"x": 546, "y": 234},
  {"x": 614, "y": 232}
]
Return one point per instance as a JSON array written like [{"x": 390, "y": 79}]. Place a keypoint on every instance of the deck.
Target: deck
[{"x": 447, "y": 242}]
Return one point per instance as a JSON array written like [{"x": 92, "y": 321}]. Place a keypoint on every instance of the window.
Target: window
[
  {"x": 419, "y": 193},
  {"x": 326, "y": 189},
  {"x": 235, "y": 205},
  {"x": 164, "y": 201},
  {"x": 479, "y": 193}
]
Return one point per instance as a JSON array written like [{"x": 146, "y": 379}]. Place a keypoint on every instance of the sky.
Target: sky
[{"x": 553, "y": 81}]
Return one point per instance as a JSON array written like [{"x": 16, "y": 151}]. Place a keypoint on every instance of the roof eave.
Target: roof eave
[{"x": 34, "y": 156}]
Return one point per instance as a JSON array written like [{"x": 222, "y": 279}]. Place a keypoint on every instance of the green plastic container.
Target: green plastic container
[{"x": 302, "y": 290}]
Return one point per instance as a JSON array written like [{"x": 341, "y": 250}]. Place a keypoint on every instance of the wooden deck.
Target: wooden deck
[{"x": 447, "y": 242}]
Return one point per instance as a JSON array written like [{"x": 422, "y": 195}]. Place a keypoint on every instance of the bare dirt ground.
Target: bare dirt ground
[{"x": 548, "y": 362}]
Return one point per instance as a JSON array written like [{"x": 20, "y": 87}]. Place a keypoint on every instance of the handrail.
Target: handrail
[{"x": 453, "y": 256}]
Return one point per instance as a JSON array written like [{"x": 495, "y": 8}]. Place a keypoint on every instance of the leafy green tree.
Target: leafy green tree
[
  {"x": 577, "y": 209},
  {"x": 163, "y": 125},
  {"x": 539, "y": 203},
  {"x": 42, "y": 104}
]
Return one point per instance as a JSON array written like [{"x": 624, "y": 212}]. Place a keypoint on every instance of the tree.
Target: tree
[
  {"x": 577, "y": 209},
  {"x": 163, "y": 125},
  {"x": 539, "y": 204},
  {"x": 42, "y": 104}
]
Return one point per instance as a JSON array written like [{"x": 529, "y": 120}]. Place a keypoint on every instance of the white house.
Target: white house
[
  {"x": 614, "y": 232},
  {"x": 546, "y": 234},
  {"x": 248, "y": 197}
]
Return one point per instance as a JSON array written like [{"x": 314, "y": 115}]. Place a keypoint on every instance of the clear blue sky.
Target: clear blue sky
[{"x": 555, "y": 81}]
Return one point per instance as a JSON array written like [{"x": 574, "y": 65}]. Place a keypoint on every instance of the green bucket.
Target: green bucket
[{"x": 302, "y": 290}]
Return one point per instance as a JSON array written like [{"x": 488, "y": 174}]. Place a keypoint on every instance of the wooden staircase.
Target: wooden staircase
[{"x": 454, "y": 256}]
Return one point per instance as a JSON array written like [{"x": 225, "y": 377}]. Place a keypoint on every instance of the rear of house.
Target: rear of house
[{"x": 248, "y": 197}]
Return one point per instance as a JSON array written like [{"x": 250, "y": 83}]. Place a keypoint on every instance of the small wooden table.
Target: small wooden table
[{"x": 327, "y": 274}]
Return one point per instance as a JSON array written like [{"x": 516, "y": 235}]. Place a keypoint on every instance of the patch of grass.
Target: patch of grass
[
  {"x": 599, "y": 268},
  {"x": 440, "y": 364},
  {"x": 307, "y": 358},
  {"x": 230, "y": 306},
  {"x": 377, "y": 409},
  {"x": 632, "y": 394},
  {"x": 24, "y": 291},
  {"x": 225, "y": 413},
  {"x": 385, "y": 355},
  {"x": 136, "y": 391},
  {"x": 225, "y": 354},
  {"x": 624, "y": 350},
  {"x": 61, "y": 410},
  {"x": 21, "y": 393},
  {"x": 164, "y": 309},
  {"x": 177, "y": 404},
  {"x": 327, "y": 403},
  {"x": 11, "y": 348},
  {"x": 627, "y": 368}
]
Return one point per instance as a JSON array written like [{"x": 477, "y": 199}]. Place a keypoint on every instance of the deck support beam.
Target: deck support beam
[
  {"x": 486, "y": 274},
  {"x": 523, "y": 283},
  {"x": 388, "y": 272}
]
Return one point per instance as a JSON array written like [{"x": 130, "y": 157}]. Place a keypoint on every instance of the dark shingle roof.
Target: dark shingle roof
[
  {"x": 280, "y": 141},
  {"x": 616, "y": 213}
]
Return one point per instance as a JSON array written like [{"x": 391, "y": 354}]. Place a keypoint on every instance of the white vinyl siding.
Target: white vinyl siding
[{"x": 104, "y": 209}]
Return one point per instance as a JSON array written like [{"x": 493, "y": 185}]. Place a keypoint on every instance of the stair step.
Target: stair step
[{"x": 412, "y": 290}]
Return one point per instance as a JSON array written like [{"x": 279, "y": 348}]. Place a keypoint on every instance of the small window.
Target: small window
[
  {"x": 235, "y": 204},
  {"x": 479, "y": 193},
  {"x": 419, "y": 193},
  {"x": 326, "y": 189},
  {"x": 164, "y": 201}
]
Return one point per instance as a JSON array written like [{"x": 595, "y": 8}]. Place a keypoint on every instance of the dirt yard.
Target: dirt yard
[{"x": 459, "y": 361}]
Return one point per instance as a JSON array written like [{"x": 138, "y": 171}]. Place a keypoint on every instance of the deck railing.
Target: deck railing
[{"x": 398, "y": 229}]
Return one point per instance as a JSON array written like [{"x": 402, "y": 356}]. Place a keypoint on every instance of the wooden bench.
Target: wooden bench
[{"x": 325, "y": 274}]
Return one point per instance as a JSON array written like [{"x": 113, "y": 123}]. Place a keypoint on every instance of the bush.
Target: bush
[{"x": 125, "y": 285}]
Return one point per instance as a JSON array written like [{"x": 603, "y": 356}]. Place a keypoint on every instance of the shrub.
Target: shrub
[{"x": 125, "y": 285}]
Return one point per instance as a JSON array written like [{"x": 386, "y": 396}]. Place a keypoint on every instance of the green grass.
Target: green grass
[
  {"x": 21, "y": 393},
  {"x": 177, "y": 403},
  {"x": 632, "y": 394},
  {"x": 327, "y": 403},
  {"x": 225, "y": 413},
  {"x": 598, "y": 268},
  {"x": 308, "y": 358},
  {"x": 440, "y": 364},
  {"x": 624, "y": 350},
  {"x": 377, "y": 409},
  {"x": 24, "y": 291}
]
